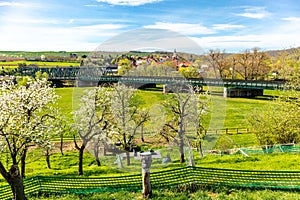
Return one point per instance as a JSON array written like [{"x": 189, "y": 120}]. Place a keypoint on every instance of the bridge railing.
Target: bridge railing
[{"x": 97, "y": 74}]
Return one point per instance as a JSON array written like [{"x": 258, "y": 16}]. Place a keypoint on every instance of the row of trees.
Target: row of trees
[
  {"x": 254, "y": 64},
  {"x": 113, "y": 115},
  {"x": 30, "y": 117}
]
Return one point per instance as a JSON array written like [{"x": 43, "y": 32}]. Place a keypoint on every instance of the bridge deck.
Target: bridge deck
[{"x": 97, "y": 74}]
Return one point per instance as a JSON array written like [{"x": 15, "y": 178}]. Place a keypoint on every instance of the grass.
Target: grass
[
  {"x": 41, "y": 64},
  {"x": 274, "y": 161},
  {"x": 229, "y": 112},
  {"x": 225, "y": 113},
  {"x": 237, "y": 111},
  {"x": 66, "y": 165},
  {"x": 242, "y": 140},
  {"x": 219, "y": 194},
  {"x": 65, "y": 101},
  {"x": 10, "y": 54}
]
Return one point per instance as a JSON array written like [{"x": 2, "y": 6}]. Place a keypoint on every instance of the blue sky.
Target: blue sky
[{"x": 73, "y": 25}]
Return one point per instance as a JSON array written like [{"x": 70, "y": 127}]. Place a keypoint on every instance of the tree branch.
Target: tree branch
[{"x": 4, "y": 173}]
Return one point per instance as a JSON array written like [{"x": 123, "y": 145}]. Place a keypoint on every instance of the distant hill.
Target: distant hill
[{"x": 277, "y": 52}]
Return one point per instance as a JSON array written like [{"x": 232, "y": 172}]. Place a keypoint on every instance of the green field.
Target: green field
[
  {"x": 67, "y": 164},
  {"x": 237, "y": 112},
  {"x": 15, "y": 64},
  {"x": 228, "y": 113},
  {"x": 220, "y": 194},
  {"x": 21, "y": 54}
]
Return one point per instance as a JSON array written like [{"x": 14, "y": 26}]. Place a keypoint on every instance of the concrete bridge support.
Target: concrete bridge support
[
  {"x": 180, "y": 88},
  {"x": 80, "y": 83},
  {"x": 242, "y": 92}
]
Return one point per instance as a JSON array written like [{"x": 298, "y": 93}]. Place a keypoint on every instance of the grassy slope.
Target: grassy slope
[
  {"x": 226, "y": 113},
  {"x": 65, "y": 102},
  {"x": 275, "y": 161},
  {"x": 220, "y": 194},
  {"x": 67, "y": 164}
]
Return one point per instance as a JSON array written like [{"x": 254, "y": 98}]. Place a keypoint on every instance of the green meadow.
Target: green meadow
[
  {"x": 218, "y": 194},
  {"x": 228, "y": 113},
  {"x": 15, "y": 64},
  {"x": 231, "y": 113}
]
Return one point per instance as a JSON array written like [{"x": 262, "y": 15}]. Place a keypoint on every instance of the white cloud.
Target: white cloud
[
  {"x": 255, "y": 13},
  {"x": 186, "y": 29},
  {"x": 91, "y": 5},
  {"x": 101, "y": 27},
  {"x": 292, "y": 19},
  {"x": 128, "y": 2},
  {"x": 243, "y": 42},
  {"x": 33, "y": 37},
  {"x": 27, "y": 20},
  {"x": 13, "y": 4},
  {"x": 227, "y": 26}
]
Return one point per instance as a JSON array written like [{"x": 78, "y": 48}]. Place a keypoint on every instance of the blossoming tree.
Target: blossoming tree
[{"x": 27, "y": 117}]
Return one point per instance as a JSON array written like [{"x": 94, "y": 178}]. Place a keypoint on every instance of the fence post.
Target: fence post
[
  {"x": 39, "y": 185},
  {"x": 146, "y": 163}
]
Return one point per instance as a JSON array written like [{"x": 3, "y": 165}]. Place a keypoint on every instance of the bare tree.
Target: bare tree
[
  {"x": 219, "y": 63},
  {"x": 259, "y": 64},
  {"x": 253, "y": 65},
  {"x": 243, "y": 67}
]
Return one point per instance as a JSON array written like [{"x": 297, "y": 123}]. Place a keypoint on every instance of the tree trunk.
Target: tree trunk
[
  {"x": 80, "y": 160},
  {"x": 142, "y": 133},
  {"x": 14, "y": 178},
  {"x": 98, "y": 161},
  {"x": 48, "y": 158},
  {"x": 201, "y": 149},
  {"x": 181, "y": 156},
  {"x": 104, "y": 150},
  {"x": 16, "y": 183},
  {"x": 127, "y": 158},
  {"x": 96, "y": 153},
  {"x": 181, "y": 150},
  {"x": 61, "y": 144},
  {"x": 23, "y": 163}
]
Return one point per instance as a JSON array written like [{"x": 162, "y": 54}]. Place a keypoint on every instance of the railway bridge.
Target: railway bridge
[{"x": 93, "y": 76}]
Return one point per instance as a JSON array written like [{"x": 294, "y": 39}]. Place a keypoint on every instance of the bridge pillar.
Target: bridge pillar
[
  {"x": 140, "y": 85},
  {"x": 242, "y": 92},
  {"x": 80, "y": 83}
]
